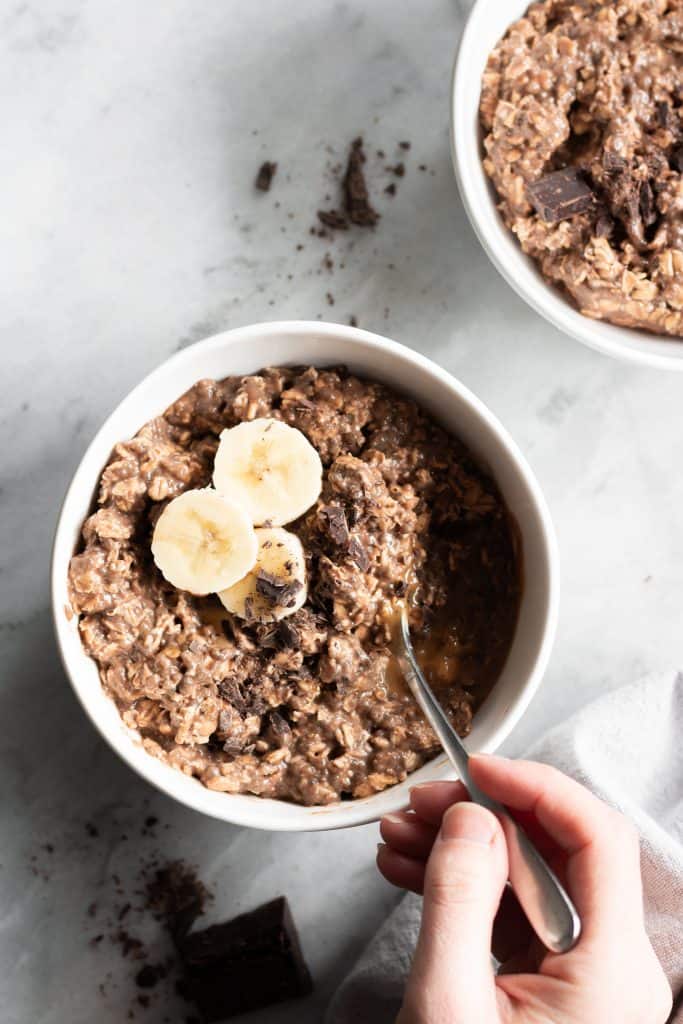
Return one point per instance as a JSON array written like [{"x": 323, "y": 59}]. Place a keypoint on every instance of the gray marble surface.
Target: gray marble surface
[{"x": 131, "y": 136}]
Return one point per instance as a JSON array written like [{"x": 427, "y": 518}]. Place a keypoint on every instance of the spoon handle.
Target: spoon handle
[{"x": 542, "y": 896}]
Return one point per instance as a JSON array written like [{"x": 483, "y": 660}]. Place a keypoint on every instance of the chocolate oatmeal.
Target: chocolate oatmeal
[
  {"x": 581, "y": 109},
  {"x": 310, "y": 708}
]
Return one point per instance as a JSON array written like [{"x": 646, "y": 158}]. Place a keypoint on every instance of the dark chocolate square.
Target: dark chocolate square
[{"x": 253, "y": 961}]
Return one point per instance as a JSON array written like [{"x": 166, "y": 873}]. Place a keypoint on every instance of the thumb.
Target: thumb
[{"x": 452, "y": 978}]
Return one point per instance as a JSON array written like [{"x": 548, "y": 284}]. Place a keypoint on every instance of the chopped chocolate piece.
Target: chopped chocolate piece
[
  {"x": 265, "y": 176},
  {"x": 356, "y": 199},
  {"x": 648, "y": 208},
  {"x": 358, "y": 554},
  {"x": 278, "y": 729},
  {"x": 253, "y": 961},
  {"x": 288, "y": 634},
  {"x": 676, "y": 159},
  {"x": 280, "y": 593},
  {"x": 560, "y": 195},
  {"x": 333, "y": 219},
  {"x": 335, "y": 522},
  {"x": 398, "y": 169},
  {"x": 391, "y": 189}
]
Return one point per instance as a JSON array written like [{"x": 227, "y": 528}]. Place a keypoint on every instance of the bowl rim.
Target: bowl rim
[
  {"x": 348, "y": 813},
  {"x": 627, "y": 344}
]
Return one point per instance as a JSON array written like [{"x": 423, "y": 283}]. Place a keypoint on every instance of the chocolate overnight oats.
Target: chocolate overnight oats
[
  {"x": 285, "y": 685},
  {"x": 581, "y": 109}
]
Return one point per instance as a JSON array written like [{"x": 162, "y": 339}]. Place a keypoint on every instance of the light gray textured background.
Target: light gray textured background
[{"x": 131, "y": 136}]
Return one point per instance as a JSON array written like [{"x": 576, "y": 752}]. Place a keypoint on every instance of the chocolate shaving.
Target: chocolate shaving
[
  {"x": 358, "y": 553},
  {"x": 604, "y": 225},
  {"x": 676, "y": 159},
  {"x": 561, "y": 195},
  {"x": 336, "y": 525},
  {"x": 265, "y": 176},
  {"x": 665, "y": 116},
  {"x": 356, "y": 198},
  {"x": 278, "y": 592}
]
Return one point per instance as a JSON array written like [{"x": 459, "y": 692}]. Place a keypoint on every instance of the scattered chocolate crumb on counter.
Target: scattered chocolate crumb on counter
[
  {"x": 200, "y": 686},
  {"x": 357, "y": 207},
  {"x": 391, "y": 189},
  {"x": 583, "y": 137},
  {"x": 404, "y": 145},
  {"x": 253, "y": 961},
  {"x": 398, "y": 169},
  {"x": 176, "y": 896},
  {"x": 266, "y": 173},
  {"x": 330, "y": 298},
  {"x": 353, "y": 321}
]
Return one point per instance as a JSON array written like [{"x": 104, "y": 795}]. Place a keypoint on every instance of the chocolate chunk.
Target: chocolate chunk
[
  {"x": 288, "y": 635},
  {"x": 560, "y": 195},
  {"x": 265, "y": 176},
  {"x": 333, "y": 219},
  {"x": 676, "y": 159},
  {"x": 648, "y": 207},
  {"x": 278, "y": 730},
  {"x": 248, "y": 963},
  {"x": 356, "y": 198},
  {"x": 358, "y": 554},
  {"x": 246, "y": 704},
  {"x": 279, "y": 592},
  {"x": 337, "y": 528}
]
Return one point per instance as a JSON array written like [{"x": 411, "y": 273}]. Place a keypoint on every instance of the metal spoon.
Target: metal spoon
[{"x": 549, "y": 909}]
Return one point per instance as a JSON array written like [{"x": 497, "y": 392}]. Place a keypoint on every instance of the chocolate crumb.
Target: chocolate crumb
[
  {"x": 175, "y": 895},
  {"x": 92, "y": 831},
  {"x": 404, "y": 145},
  {"x": 391, "y": 189},
  {"x": 398, "y": 169},
  {"x": 422, "y": 167},
  {"x": 353, "y": 321},
  {"x": 356, "y": 198},
  {"x": 266, "y": 173},
  {"x": 331, "y": 219},
  {"x": 330, "y": 298}
]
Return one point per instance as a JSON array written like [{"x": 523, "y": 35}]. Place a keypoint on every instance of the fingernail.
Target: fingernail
[
  {"x": 469, "y": 822},
  {"x": 488, "y": 757},
  {"x": 398, "y": 819},
  {"x": 422, "y": 785}
]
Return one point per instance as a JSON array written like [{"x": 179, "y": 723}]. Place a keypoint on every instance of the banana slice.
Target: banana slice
[
  {"x": 270, "y": 468},
  {"x": 276, "y": 586},
  {"x": 203, "y": 542}
]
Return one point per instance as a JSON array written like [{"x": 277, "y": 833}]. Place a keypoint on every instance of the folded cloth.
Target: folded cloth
[{"x": 627, "y": 748}]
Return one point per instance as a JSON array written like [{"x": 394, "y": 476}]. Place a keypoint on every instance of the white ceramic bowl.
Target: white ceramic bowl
[
  {"x": 246, "y": 350},
  {"x": 488, "y": 22}
]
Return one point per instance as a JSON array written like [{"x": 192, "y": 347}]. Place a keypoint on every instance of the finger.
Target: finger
[
  {"x": 406, "y": 833},
  {"x": 400, "y": 870},
  {"x": 600, "y": 845},
  {"x": 431, "y": 800},
  {"x": 463, "y": 883}
]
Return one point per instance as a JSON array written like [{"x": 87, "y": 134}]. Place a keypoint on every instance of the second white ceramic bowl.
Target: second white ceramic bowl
[
  {"x": 246, "y": 350},
  {"x": 488, "y": 22}
]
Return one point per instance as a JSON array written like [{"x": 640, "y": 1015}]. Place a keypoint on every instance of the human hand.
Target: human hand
[{"x": 454, "y": 852}]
